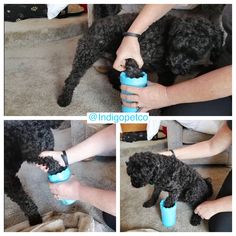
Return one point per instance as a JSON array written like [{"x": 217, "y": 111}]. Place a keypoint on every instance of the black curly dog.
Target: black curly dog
[
  {"x": 24, "y": 141},
  {"x": 167, "y": 173},
  {"x": 171, "y": 46}
]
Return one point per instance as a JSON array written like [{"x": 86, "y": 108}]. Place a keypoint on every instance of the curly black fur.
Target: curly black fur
[
  {"x": 169, "y": 174},
  {"x": 132, "y": 69},
  {"x": 104, "y": 10},
  {"x": 173, "y": 46},
  {"x": 24, "y": 141}
]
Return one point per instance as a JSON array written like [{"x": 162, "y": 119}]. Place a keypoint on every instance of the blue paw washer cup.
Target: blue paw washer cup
[
  {"x": 140, "y": 82},
  {"x": 61, "y": 177},
  {"x": 168, "y": 215}
]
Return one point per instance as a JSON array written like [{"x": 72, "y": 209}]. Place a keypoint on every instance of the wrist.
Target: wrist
[
  {"x": 78, "y": 194},
  {"x": 135, "y": 30},
  {"x": 130, "y": 38},
  {"x": 82, "y": 193},
  {"x": 69, "y": 156},
  {"x": 223, "y": 204},
  {"x": 166, "y": 153},
  {"x": 131, "y": 34},
  {"x": 170, "y": 99}
]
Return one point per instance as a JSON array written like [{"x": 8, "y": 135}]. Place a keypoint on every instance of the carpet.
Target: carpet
[{"x": 34, "y": 77}]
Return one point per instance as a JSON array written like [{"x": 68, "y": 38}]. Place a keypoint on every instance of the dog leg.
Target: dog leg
[
  {"x": 14, "y": 190},
  {"x": 103, "y": 36},
  {"x": 152, "y": 201},
  {"x": 86, "y": 55},
  {"x": 195, "y": 219},
  {"x": 171, "y": 199},
  {"x": 195, "y": 196}
]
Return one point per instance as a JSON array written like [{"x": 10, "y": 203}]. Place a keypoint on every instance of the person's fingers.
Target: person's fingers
[
  {"x": 42, "y": 167},
  {"x": 143, "y": 109},
  {"x": 56, "y": 196},
  {"x": 131, "y": 89},
  {"x": 196, "y": 211},
  {"x": 201, "y": 216},
  {"x": 128, "y": 104},
  {"x": 119, "y": 64},
  {"x": 47, "y": 153},
  {"x": 139, "y": 61},
  {"x": 54, "y": 188},
  {"x": 149, "y": 83},
  {"x": 133, "y": 98},
  {"x": 199, "y": 211}
]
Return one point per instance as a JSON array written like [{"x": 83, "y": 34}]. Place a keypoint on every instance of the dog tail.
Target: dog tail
[{"x": 209, "y": 185}]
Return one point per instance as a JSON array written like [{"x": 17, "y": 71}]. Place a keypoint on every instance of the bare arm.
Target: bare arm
[
  {"x": 218, "y": 143},
  {"x": 129, "y": 47},
  {"x": 102, "y": 199},
  {"x": 101, "y": 143},
  {"x": 209, "y": 208},
  {"x": 149, "y": 14},
  {"x": 213, "y": 85}
]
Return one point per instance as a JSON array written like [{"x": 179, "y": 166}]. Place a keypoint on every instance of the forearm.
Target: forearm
[
  {"x": 101, "y": 143},
  {"x": 213, "y": 85},
  {"x": 149, "y": 14},
  {"x": 102, "y": 199},
  {"x": 224, "y": 204},
  {"x": 218, "y": 143},
  {"x": 198, "y": 150}
]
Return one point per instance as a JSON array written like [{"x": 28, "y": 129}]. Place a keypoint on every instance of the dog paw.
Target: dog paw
[
  {"x": 195, "y": 220},
  {"x": 168, "y": 203},
  {"x": 63, "y": 101},
  {"x": 148, "y": 204},
  {"x": 35, "y": 219}
]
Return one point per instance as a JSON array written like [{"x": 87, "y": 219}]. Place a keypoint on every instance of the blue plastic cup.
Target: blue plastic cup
[
  {"x": 168, "y": 215},
  {"x": 61, "y": 177},
  {"x": 140, "y": 82}
]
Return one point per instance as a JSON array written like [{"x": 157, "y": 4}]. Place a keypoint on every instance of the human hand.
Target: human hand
[
  {"x": 56, "y": 155},
  {"x": 66, "y": 190},
  {"x": 207, "y": 209},
  {"x": 153, "y": 96},
  {"x": 166, "y": 153},
  {"x": 129, "y": 48}
]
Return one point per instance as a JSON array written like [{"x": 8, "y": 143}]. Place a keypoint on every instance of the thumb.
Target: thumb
[
  {"x": 139, "y": 61},
  {"x": 119, "y": 65},
  {"x": 149, "y": 83}
]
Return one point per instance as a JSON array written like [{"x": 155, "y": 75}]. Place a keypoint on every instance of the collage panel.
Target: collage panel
[
  {"x": 68, "y": 65},
  {"x": 176, "y": 176},
  {"x": 59, "y": 176}
]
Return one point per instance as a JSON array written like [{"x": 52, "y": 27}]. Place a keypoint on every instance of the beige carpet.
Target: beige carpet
[
  {"x": 34, "y": 77},
  {"x": 134, "y": 216},
  {"x": 100, "y": 174}
]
